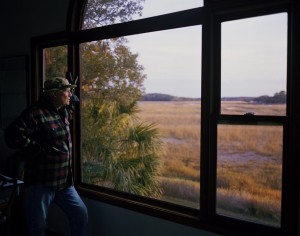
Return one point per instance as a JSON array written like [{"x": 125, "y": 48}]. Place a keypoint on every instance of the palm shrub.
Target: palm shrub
[{"x": 118, "y": 150}]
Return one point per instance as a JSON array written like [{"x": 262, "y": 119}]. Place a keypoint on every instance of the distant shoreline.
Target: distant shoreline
[{"x": 278, "y": 98}]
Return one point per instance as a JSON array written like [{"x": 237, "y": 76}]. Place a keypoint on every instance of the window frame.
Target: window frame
[{"x": 210, "y": 17}]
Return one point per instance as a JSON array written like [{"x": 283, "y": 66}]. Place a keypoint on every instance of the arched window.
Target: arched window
[
  {"x": 183, "y": 108},
  {"x": 102, "y": 13}
]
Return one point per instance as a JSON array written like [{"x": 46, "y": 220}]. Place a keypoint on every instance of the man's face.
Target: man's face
[{"x": 63, "y": 97}]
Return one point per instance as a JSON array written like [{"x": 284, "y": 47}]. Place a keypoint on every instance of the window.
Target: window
[
  {"x": 254, "y": 61},
  {"x": 249, "y": 172},
  {"x": 55, "y": 61},
  {"x": 186, "y": 111},
  {"x": 101, "y": 13},
  {"x": 249, "y": 151},
  {"x": 160, "y": 73}
]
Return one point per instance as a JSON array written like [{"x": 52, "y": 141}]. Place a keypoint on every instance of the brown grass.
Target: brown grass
[
  {"x": 264, "y": 140},
  {"x": 240, "y": 108},
  {"x": 179, "y": 188},
  {"x": 248, "y": 165}
]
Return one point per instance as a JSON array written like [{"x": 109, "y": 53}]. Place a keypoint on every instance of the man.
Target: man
[{"x": 42, "y": 134}]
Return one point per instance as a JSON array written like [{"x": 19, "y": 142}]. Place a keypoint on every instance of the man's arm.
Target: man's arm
[{"x": 19, "y": 135}]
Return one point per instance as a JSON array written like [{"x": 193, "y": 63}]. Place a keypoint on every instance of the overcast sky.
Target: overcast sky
[{"x": 253, "y": 54}]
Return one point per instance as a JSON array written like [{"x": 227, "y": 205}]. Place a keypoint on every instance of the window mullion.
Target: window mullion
[{"x": 209, "y": 109}]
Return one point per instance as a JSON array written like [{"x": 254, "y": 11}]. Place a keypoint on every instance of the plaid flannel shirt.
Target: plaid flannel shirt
[{"x": 42, "y": 134}]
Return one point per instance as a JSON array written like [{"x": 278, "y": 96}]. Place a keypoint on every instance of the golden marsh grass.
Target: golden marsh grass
[
  {"x": 241, "y": 107},
  {"x": 248, "y": 159}
]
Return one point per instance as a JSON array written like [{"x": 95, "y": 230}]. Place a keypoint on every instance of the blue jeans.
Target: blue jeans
[{"x": 38, "y": 200}]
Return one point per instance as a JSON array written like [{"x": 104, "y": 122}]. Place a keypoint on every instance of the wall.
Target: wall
[
  {"x": 107, "y": 220},
  {"x": 123, "y": 222},
  {"x": 21, "y": 20}
]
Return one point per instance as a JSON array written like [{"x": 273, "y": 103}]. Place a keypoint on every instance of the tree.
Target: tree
[
  {"x": 105, "y": 12},
  {"x": 111, "y": 71},
  {"x": 118, "y": 150},
  {"x": 278, "y": 98},
  {"x": 56, "y": 61}
]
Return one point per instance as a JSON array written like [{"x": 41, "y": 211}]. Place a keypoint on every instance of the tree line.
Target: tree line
[{"x": 278, "y": 98}]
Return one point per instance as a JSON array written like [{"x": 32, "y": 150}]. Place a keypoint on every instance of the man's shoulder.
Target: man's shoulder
[
  {"x": 33, "y": 107},
  {"x": 36, "y": 109}
]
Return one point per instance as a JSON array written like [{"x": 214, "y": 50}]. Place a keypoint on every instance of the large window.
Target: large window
[
  {"x": 185, "y": 109},
  {"x": 250, "y": 150},
  {"x": 141, "y": 114}
]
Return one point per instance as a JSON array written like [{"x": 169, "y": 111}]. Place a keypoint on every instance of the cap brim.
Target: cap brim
[{"x": 63, "y": 87}]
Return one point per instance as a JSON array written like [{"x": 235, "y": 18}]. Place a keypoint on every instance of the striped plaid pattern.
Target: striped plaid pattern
[{"x": 43, "y": 134}]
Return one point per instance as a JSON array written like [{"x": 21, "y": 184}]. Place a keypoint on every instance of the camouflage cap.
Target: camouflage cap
[{"x": 57, "y": 83}]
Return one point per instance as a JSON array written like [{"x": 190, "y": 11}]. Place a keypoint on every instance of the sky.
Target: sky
[{"x": 253, "y": 52}]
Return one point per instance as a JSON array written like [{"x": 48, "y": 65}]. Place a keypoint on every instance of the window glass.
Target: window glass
[
  {"x": 55, "y": 61},
  {"x": 254, "y": 65},
  {"x": 249, "y": 172},
  {"x": 141, "y": 114},
  {"x": 100, "y": 13}
]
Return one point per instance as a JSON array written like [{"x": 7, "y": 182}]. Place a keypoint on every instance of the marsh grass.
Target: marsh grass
[
  {"x": 181, "y": 188},
  {"x": 248, "y": 166},
  {"x": 241, "y": 107}
]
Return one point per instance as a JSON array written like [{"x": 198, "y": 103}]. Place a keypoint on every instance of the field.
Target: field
[{"x": 248, "y": 159}]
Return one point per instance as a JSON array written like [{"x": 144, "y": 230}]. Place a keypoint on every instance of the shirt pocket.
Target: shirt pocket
[{"x": 54, "y": 133}]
